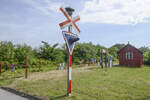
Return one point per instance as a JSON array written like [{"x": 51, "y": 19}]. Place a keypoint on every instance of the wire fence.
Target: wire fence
[{"x": 19, "y": 70}]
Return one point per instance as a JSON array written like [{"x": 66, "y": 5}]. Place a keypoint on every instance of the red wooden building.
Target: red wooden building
[{"x": 130, "y": 56}]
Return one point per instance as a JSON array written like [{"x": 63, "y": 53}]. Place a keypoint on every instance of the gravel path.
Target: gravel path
[{"x": 5, "y": 95}]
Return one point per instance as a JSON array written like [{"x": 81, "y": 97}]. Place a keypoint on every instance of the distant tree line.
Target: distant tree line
[{"x": 55, "y": 54}]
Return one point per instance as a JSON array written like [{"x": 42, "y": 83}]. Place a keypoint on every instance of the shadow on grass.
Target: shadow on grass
[
  {"x": 96, "y": 68},
  {"x": 144, "y": 98},
  {"x": 59, "y": 97},
  {"x": 10, "y": 78},
  {"x": 105, "y": 68},
  {"x": 93, "y": 68},
  {"x": 22, "y": 94},
  {"x": 86, "y": 94},
  {"x": 126, "y": 66}
]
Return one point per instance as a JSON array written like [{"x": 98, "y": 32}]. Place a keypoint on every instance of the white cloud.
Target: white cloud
[
  {"x": 45, "y": 6},
  {"x": 116, "y": 11}
]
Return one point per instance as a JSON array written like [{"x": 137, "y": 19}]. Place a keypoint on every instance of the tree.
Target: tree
[
  {"x": 146, "y": 54},
  {"x": 113, "y": 52},
  {"x": 51, "y": 53},
  {"x": 114, "y": 49},
  {"x": 21, "y": 51},
  {"x": 147, "y": 57},
  {"x": 144, "y": 49},
  {"x": 84, "y": 51},
  {"x": 7, "y": 51},
  {"x": 119, "y": 46}
]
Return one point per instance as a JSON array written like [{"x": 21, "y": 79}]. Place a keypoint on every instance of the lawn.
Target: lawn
[{"x": 93, "y": 83}]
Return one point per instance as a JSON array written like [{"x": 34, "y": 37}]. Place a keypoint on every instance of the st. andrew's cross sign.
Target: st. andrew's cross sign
[
  {"x": 69, "y": 21},
  {"x": 70, "y": 39}
]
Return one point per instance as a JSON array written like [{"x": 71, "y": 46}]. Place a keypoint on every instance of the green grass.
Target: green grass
[
  {"x": 7, "y": 77},
  {"x": 117, "y": 83}
]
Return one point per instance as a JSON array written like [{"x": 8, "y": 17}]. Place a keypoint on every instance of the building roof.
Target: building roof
[{"x": 129, "y": 45}]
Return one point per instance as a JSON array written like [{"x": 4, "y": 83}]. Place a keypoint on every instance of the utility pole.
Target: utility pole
[{"x": 0, "y": 67}]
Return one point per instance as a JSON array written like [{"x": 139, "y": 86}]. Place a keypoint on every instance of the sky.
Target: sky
[{"x": 104, "y": 22}]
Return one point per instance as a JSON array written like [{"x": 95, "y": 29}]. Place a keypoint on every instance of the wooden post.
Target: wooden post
[
  {"x": 26, "y": 72},
  {"x": 0, "y": 67},
  {"x": 40, "y": 65},
  {"x": 14, "y": 74}
]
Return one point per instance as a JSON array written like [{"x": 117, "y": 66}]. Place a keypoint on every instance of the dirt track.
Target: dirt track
[
  {"x": 52, "y": 75},
  {"x": 55, "y": 74}
]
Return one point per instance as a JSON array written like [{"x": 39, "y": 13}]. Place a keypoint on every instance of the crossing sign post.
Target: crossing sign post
[{"x": 70, "y": 39}]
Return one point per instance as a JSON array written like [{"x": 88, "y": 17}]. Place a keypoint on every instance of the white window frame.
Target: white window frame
[{"x": 129, "y": 55}]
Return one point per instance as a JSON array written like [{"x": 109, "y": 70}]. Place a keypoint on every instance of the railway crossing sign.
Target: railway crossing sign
[
  {"x": 69, "y": 21},
  {"x": 70, "y": 40}
]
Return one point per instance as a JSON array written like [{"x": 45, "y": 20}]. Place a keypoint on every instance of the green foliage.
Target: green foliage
[
  {"x": 113, "y": 52},
  {"x": 16, "y": 54},
  {"x": 146, "y": 54},
  {"x": 65, "y": 52},
  {"x": 144, "y": 49},
  {"x": 7, "y": 51},
  {"x": 51, "y": 53},
  {"x": 114, "y": 49},
  {"x": 21, "y": 51},
  {"x": 147, "y": 57},
  {"x": 47, "y": 51},
  {"x": 119, "y": 46},
  {"x": 84, "y": 51}
]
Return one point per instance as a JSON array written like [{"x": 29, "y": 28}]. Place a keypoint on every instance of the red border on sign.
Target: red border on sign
[{"x": 66, "y": 40}]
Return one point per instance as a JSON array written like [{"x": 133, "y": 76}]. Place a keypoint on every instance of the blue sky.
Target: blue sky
[{"x": 102, "y": 22}]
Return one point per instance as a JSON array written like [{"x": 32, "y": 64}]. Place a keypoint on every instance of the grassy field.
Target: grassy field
[
  {"x": 7, "y": 77},
  {"x": 93, "y": 83}
]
